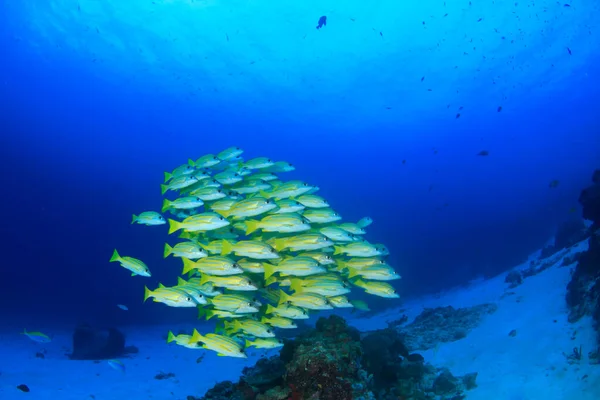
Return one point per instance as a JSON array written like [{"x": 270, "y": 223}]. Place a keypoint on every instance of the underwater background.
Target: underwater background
[{"x": 465, "y": 130}]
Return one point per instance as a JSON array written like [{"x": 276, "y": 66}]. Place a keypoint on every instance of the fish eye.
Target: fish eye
[
  {"x": 305, "y": 184},
  {"x": 215, "y": 158},
  {"x": 221, "y": 218},
  {"x": 198, "y": 199},
  {"x": 269, "y": 331},
  {"x": 188, "y": 299},
  {"x": 248, "y": 304}
]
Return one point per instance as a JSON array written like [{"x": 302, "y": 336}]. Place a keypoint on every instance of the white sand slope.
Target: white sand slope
[{"x": 529, "y": 366}]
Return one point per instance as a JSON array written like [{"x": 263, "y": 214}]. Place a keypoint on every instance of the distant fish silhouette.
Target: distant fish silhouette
[
  {"x": 483, "y": 153},
  {"x": 322, "y": 22}
]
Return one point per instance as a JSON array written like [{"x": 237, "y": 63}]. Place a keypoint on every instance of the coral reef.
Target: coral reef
[
  {"x": 443, "y": 324},
  {"x": 98, "y": 344},
  {"x": 567, "y": 234},
  {"x": 336, "y": 362}
]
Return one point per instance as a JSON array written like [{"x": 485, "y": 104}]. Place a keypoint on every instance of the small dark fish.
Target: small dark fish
[
  {"x": 499, "y": 108},
  {"x": 422, "y": 79},
  {"x": 380, "y": 34},
  {"x": 567, "y": 5},
  {"x": 554, "y": 184},
  {"x": 460, "y": 108},
  {"x": 569, "y": 50},
  {"x": 483, "y": 153},
  {"x": 23, "y": 388},
  {"x": 322, "y": 22},
  {"x": 458, "y": 116},
  {"x": 199, "y": 359},
  {"x": 403, "y": 162},
  {"x": 480, "y": 19}
]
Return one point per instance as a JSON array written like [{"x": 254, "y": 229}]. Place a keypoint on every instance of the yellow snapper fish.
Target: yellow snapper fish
[
  {"x": 170, "y": 296},
  {"x": 226, "y": 232},
  {"x": 233, "y": 282},
  {"x": 222, "y": 205},
  {"x": 287, "y": 311},
  {"x": 213, "y": 247},
  {"x": 37, "y": 336},
  {"x": 252, "y": 266},
  {"x": 148, "y": 218},
  {"x": 184, "y": 169},
  {"x": 287, "y": 190},
  {"x": 280, "y": 166},
  {"x": 286, "y": 206},
  {"x": 352, "y": 228},
  {"x": 222, "y": 345},
  {"x": 259, "y": 163},
  {"x": 137, "y": 267},
  {"x": 324, "y": 287},
  {"x": 296, "y": 266},
  {"x": 182, "y": 203},
  {"x": 205, "y": 161},
  {"x": 178, "y": 183},
  {"x": 208, "y": 314},
  {"x": 234, "y": 303},
  {"x": 213, "y": 265},
  {"x": 321, "y": 258},
  {"x": 207, "y": 289},
  {"x": 364, "y": 222},
  {"x": 183, "y": 340},
  {"x": 229, "y": 153},
  {"x": 340, "y": 302},
  {"x": 199, "y": 222},
  {"x": 250, "y": 207},
  {"x": 380, "y": 289},
  {"x": 249, "y": 248},
  {"x": 228, "y": 177},
  {"x": 188, "y": 249},
  {"x": 191, "y": 290},
  {"x": 279, "y": 322},
  {"x": 251, "y": 186},
  {"x": 337, "y": 234},
  {"x": 264, "y": 343},
  {"x": 321, "y": 215},
  {"x": 310, "y": 301},
  {"x": 357, "y": 249},
  {"x": 308, "y": 241},
  {"x": 360, "y": 263},
  {"x": 280, "y": 281},
  {"x": 282, "y": 223},
  {"x": 375, "y": 273},
  {"x": 209, "y": 193},
  {"x": 312, "y": 201},
  {"x": 250, "y": 327},
  {"x": 265, "y": 176}
]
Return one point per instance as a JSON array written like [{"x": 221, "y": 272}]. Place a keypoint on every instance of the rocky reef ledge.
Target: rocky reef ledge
[{"x": 337, "y": 362}]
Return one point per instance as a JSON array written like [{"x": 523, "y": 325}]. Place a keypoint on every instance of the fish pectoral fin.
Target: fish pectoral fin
[{"x": 221, "y": 355}]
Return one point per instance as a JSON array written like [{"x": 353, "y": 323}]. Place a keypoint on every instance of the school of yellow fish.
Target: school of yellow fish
[{"x": 257, "y": 252}]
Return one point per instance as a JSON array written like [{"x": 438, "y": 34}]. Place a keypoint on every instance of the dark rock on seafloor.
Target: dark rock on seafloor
[
  {"x": 97, "y": 344},
  {"x": 583, "y": 291},
  {"x": 514, "y": 279},
  {"x": 443, "y": 324}
]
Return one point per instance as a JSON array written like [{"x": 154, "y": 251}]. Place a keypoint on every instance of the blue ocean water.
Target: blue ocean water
[{"x": 387, "y": 109}]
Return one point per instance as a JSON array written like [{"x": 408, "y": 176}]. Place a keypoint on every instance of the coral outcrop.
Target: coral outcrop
[{"x": 336, "y": 362}]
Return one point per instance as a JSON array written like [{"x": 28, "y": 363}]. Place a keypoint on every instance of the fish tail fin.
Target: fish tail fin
[
  {"x": 197, "y": 337},
  {"x": 191, "y": 162},
  {"x": 147, "y": 293},
  {"x": 170, "y": 336},
  {"x": 296, "y": 285},
  {"x": 209, "y": 314},
  {"x": 264, "y": 319},
  {"x": 174, "y": 226},
  {"x": 248, "y": 343},
  {"x": 226, "y": 248},
  {"x": 134, "y": 218},
  {"x": 269, "y": 309},
  {"x": 168, "y": 176},
  {"x": 115, "y": 256},
  {"x": 223, "y": 213},
  {"x": 269, "y": 270},
  {"x": 283, "y": 297},
  {"x": 264, "y": 194},
  {"x": 181, "y": 281},
  {"x": 270, "y": 280},
  {"x": 166, "y": 205},
  {"x": 204, "y": 279},
  {"x": 163, "y": 189},
  {"x": 279, "y": 244},
  {"x": 168, "y": 250},
  {"x": 338, "y": 250},
  {"x": 251, "y": 226},
  {"x": 188, "y": 265},
  {"x": 352, "y": 272}
]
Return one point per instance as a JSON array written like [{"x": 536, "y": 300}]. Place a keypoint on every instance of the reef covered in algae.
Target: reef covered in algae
[{"x": 337, "y": 362}]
